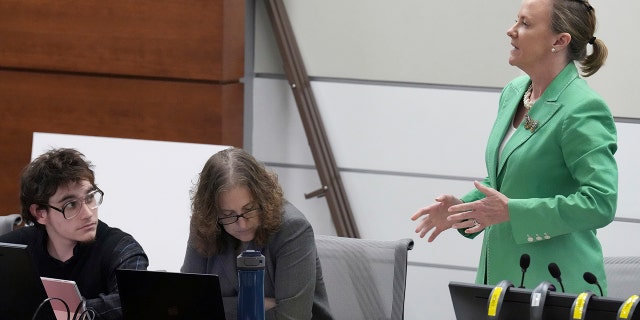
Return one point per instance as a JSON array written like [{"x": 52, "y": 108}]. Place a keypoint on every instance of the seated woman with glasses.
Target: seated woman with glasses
[
  {"x": 60, "y": 200},
  {"x": 238, "y": 205}
]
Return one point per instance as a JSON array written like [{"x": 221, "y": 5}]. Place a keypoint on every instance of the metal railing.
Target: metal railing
[{"x": 298, "y": 78}]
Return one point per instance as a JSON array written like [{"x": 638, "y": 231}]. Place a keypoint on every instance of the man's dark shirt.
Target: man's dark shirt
[{"x": 92, "y": 266}]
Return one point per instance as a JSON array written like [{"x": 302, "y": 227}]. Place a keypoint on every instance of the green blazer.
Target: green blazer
[{"x": 561, "y": 179}]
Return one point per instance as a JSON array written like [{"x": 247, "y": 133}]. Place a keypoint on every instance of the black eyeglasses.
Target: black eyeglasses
[
  {"x": 69, "y": 210},
  {"x": 251, "y": 213}
]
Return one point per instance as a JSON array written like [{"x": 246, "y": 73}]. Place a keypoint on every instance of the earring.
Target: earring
[{"x": 553, "y": 49}]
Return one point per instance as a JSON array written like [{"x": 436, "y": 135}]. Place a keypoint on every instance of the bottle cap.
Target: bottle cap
[{"x": 250, "y": 260}]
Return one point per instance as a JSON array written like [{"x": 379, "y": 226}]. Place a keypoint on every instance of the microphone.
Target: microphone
[
  {"x": 525, "y": 260},
  {"x": 555, "y": 272},
  {"x": 590, "y": 278},
  {"x": 579, "y": 307}
]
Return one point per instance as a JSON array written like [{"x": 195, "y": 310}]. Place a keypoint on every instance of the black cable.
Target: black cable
[
  {"x": 88, "y": 314},
  {"x": 80, "y": 306},
  {"x": 66, "y": 306}
]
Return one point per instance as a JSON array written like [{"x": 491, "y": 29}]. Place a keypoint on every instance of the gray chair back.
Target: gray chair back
[
  {"x": 623, "y": 276},
  {"x": 9, "y": 222},
  {"x": 365, "y": 279}
]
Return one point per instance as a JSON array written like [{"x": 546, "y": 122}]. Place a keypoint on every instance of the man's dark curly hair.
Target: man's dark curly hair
[{"x": 42, "y": 177}]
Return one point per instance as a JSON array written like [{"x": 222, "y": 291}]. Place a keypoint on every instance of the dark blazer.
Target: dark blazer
[
  {"x": 293, "y": 275},
  {"x": 561, "y": 180}
]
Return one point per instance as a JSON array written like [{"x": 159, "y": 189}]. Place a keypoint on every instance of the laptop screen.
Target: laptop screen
[
  {"x": 67, "y": 291},
  {"x": 21, "y": 290},
  {"x": 164, "y": 295}
]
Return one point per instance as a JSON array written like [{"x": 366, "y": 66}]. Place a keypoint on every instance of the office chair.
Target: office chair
[
  {"x": 623, "y": 276},
  {"x": 9, "y": 222},
  {"x": 365, "y": 279}
]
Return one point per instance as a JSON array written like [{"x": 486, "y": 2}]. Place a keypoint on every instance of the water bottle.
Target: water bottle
[{"x": 250, "y": 266}]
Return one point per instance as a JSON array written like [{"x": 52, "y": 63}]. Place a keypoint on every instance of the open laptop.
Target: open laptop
[
  {"x": 162, "y": 295},
  {"x": 21, "y": 290},
  {"x": 67, "y": 291}
]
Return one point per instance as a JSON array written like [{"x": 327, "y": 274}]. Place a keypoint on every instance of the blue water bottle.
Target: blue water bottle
[{"x": 250, "y": 266}]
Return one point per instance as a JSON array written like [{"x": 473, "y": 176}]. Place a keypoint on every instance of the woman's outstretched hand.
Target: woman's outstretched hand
[
  {"x": 434, "y": 217},
  {"x": 450, "y": 212}
]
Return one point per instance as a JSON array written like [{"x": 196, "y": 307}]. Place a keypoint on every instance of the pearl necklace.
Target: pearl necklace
[
  {"x": 526, "y": 100},
  {"x": 529, "y": 123}
]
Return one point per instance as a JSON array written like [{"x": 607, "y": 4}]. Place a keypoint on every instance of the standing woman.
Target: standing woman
[
  {"x": 238, "y": 205},
  {"x": 552, "y": 177}
]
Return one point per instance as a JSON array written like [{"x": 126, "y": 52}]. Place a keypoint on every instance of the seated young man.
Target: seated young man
[{"x": 60, "y": 198}]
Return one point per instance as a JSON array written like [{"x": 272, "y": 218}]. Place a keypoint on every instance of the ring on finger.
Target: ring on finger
[{"x": 475, "y": 223}]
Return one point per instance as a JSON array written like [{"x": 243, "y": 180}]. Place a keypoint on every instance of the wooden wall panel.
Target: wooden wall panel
[
  {"x": 110, "y": 107},
  {"x": 189, "y": 39},
  {"x": 146, "y": 69}
]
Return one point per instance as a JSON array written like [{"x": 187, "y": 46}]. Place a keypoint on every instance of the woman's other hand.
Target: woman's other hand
[{"x": 477, "y": 215}]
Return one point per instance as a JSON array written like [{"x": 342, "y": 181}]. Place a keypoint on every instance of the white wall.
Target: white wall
[
  {"x": 146, "y": 188},
  {"x": 398, "y": 148},
  {"x": 438, "y": 42},
  {"x": 408, "y": 91}
]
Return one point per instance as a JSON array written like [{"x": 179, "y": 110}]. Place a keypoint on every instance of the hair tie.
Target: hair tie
[
  {"x": 587, "y": 5},
  {"x": 592, "y": 40}
]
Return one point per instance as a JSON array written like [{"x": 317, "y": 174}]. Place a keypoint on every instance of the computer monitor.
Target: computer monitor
[
  {"x": 21, "y": 290},
  {"x": 470, "y": 301}
]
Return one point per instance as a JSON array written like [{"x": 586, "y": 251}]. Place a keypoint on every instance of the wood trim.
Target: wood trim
[
  {"x": 110, "y": 107},
  {"x": 182, "y": 39}
]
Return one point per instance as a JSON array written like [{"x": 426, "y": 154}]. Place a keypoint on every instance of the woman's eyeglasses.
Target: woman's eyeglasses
[{"x": 252, "y": 213}]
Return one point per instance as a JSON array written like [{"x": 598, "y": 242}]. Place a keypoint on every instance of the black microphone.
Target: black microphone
[
  {"x": 555, "y": 272},
  {"x": 524, "y": 264},
  {"x": 590, "y": 278}
]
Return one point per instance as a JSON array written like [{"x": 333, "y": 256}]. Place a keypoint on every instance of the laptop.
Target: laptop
[
  {"x": 162, "y": 295},
  {"x": 67, "y": 291},
  {"x": 22, "y": 293}
]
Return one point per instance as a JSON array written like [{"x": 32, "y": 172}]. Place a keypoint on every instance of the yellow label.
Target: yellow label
[
  {"x": 626, "y": 307},
  {"x": 579, "y": 307},
  {"x": 493, "y": 301}
]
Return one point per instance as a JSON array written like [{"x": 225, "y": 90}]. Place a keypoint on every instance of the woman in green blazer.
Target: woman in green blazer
[{"x": 552, "y": 176}]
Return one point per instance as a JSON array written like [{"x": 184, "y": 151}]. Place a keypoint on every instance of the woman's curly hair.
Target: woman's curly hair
[{"x": 223, "y": 171}]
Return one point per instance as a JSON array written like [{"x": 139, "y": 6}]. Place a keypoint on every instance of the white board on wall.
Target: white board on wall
[{"x": 146, "y": 187}]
